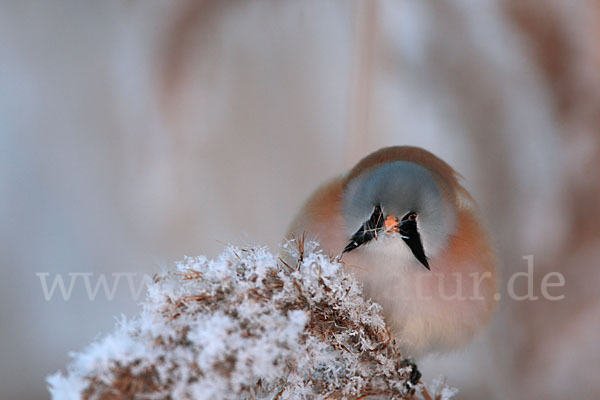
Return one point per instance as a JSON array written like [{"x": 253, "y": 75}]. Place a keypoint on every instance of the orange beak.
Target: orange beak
[{"x": 392, "y": 225}]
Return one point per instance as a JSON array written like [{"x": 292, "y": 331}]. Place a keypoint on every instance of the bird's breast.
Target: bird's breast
[{"x": 425, "y": 310}]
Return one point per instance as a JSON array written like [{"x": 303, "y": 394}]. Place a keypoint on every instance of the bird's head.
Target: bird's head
[{"x": 398, "y": 208}]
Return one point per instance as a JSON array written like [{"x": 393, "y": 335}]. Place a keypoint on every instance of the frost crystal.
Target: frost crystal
[{"x": 248, "y": 325}]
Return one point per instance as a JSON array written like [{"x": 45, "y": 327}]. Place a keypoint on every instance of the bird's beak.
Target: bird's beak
[
  {"x": 391, "y": 225},
  {"x": 406, "y": 228},
  {"x": 410, "y": 234}
]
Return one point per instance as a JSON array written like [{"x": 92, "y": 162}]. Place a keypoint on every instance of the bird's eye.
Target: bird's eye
[{"x": 411, "y": 216}]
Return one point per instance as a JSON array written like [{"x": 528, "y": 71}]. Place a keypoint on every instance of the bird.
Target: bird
[{"x": 402, "y": 223}]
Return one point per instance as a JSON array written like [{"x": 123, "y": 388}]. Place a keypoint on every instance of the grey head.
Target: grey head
[{"x": 404, "y": 192}]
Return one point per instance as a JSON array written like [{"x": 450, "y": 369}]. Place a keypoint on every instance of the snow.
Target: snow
[{"x": 247, "y": 325}]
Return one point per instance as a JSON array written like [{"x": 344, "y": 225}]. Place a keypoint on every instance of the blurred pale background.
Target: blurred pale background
[{"x": 134, "y": 133}]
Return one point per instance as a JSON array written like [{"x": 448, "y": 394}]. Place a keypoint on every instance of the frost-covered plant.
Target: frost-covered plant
[{"x": 248, "y": 325}]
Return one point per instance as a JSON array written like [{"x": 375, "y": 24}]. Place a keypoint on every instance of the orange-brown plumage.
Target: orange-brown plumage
[{"x": 417, "y": 303}]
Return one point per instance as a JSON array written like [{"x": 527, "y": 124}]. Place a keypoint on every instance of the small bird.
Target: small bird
[{"x": 402, "y": 223}]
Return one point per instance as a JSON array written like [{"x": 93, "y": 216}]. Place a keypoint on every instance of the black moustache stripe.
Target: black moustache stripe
[
  {"x": 410, "y": 235},
  {"x": 368, "y": 230}
]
